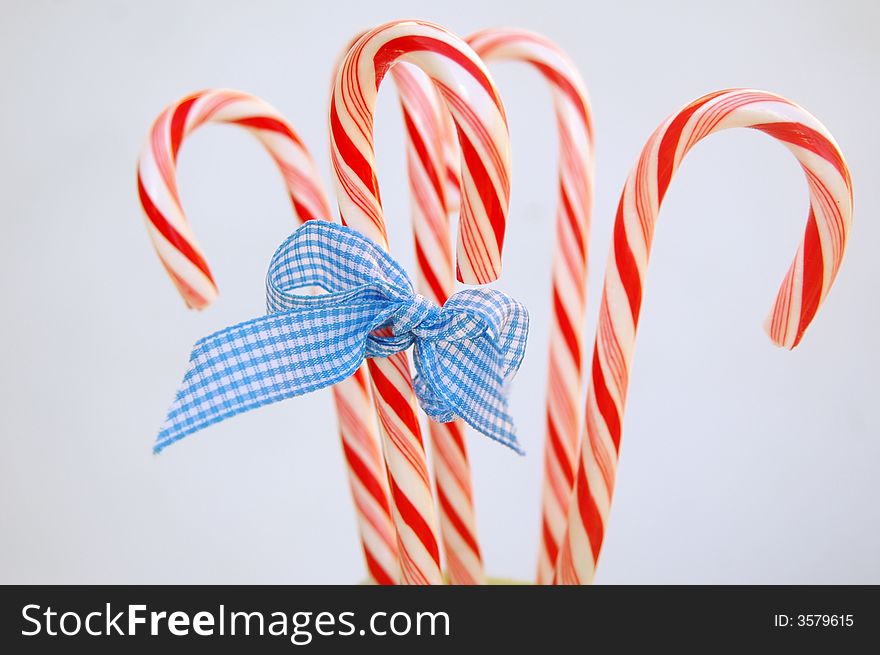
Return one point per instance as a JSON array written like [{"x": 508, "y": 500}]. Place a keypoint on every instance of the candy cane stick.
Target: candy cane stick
[
  {"x": 803, "y": 289},
  {"x": 565, "y": 376},
  {"x": 183, "y": 259},
  {"x": 466, "y": 88}
]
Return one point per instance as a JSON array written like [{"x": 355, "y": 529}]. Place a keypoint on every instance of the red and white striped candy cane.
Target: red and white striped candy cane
[
  {"x": 426, "y": 124},
  {"x": 463, "y": 83},
  {"x": 185, "y": 263},
  {"x": 565, "y": 377},
  {"x": 805, "y": 286},
  {"x": 569, "y": 291}
]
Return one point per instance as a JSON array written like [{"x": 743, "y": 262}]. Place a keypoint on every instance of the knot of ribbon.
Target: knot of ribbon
[{"x": 334, "y": 298}]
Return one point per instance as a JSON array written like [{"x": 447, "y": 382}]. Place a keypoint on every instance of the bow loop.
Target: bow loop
[
  {"x": 505, "y": 321},
  {"x": 483, "y": 342},
  {"x": 316, "y": 258},
  {"x": 334, "y": 298}
]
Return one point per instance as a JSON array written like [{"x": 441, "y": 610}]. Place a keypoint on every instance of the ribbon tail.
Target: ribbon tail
[
  {"x": 263, "y": 361},
  {"x": 460, "y": 381}
]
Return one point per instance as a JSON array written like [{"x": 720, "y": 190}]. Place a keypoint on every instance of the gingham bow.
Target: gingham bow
[{"x": 465, "y": 352}]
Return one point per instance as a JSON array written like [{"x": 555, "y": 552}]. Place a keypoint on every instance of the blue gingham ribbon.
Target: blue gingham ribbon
[{"x": 465, "y": 353}]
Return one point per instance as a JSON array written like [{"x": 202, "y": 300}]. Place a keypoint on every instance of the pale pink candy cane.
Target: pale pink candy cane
[
  {"x": 805, "y": 286},
  {"x": 569, "y": 290},
  {"x": 183, "y": 259},
  {"x": 469, "y": 94},
  {"x": 574, "y": 124}
]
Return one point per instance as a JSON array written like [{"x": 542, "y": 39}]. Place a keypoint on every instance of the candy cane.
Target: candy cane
[
  {"x": 569, "y": 291},
  {"x": 466, "y": 88},
  {"x": 431, "y": 178},
  {"x": 185, "y": 263},
  {"x": 803, "y": 289},
  {"x": 565, "y": 377},
  {"x": 426, "y": 128}
]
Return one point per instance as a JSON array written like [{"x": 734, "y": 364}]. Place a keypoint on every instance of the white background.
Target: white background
[{"x": 740, "y": 462}]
